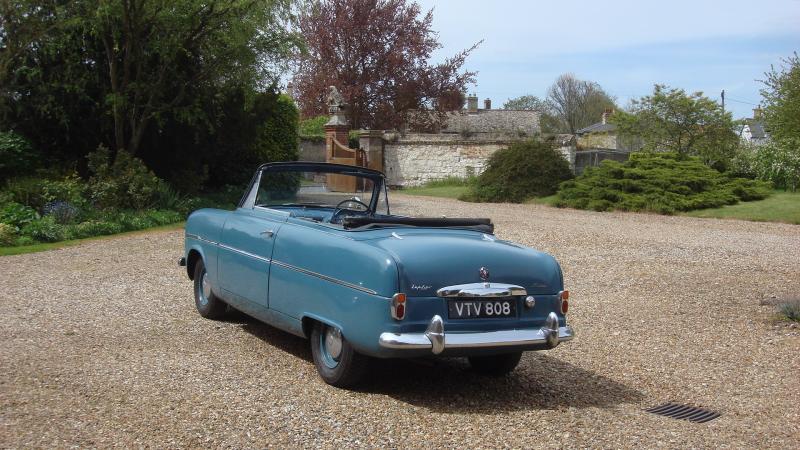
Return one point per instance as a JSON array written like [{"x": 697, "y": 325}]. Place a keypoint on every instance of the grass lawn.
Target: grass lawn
[
  {"x": 7, "y": 251},
  {"x": 778, "y": 207}
]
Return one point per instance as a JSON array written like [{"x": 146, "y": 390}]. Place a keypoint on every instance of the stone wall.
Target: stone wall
[
  {"x": 415, "y": 159},
  {"x": 312, "y": 150}
]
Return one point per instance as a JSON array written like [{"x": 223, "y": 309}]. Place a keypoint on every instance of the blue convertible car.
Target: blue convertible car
[{"x": 313, "y": 249}]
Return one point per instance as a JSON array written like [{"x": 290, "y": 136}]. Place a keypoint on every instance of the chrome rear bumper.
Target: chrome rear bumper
[{"x": 435, "y": 338}]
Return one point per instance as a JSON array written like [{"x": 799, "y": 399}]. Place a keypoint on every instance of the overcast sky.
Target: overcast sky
[{"x": 624, "y": 45}]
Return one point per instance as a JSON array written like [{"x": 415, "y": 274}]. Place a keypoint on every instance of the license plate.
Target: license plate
[{"x": 481, "y": 309}]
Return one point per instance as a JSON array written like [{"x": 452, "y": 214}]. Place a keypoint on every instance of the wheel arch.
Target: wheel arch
[{"x": 191, "y": 262}]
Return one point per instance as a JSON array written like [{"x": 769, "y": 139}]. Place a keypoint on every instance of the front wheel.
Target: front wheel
[
  {"x": 496, "y": 364},
  {"x": 208, "y": 305},
  {"x": 336, "y": 360}
]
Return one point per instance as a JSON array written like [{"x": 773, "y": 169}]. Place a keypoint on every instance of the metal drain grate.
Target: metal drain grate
[{"x": 685, "y": 412}]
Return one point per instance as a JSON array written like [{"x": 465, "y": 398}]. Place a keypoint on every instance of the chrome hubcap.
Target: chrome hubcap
[
  {"x": 205, "y": 289},
  {"x": 333, "y": 342}
]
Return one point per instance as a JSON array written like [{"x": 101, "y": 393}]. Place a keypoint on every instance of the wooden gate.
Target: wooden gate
[{"x": 340, "y": 154}]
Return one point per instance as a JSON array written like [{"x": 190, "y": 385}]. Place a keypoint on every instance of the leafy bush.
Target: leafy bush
[
  {"x": 8, "y": 234},
  {"x": 44, "y": 229},
  {"x": 17, "y": 215},
  {"x": 657, "y": 182},
  {"x": 125, "y": 182},
  {"x": 16, "y": 155},
  {"x": 313, "y": 126},
  {"x": 778, "y": 161},
  {"x": 519, "y": 172}
]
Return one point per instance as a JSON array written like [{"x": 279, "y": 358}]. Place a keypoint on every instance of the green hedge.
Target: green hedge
[{"x": 657, "y": 182}]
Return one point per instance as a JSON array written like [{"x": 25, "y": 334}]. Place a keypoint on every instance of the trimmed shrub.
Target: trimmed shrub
[
  {"x": 17, "y": 215},
  {"x": 657, "y": 182},
  {"x": 44, "y": 229},
  {"x": 8, "y": 234},
  {"x": 519, "y": 172}
]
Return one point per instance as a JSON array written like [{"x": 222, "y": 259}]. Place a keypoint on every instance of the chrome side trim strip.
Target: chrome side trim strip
[
  {"x": 283, "y": 264},
  {"x": 200, "y": 238},
  {"x": 481, "y": 290},
  {"x": 242, "y": 252},
  {"x": 324, "y": 277}
]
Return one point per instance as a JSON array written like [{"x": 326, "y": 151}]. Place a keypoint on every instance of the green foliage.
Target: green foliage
[
  {"x": 790, "y": 310},
  {"x": 519, "y": 172},
  {"x": 781, "y": 100},
  {"x": 313, "y": 126},
  {"x": 265, "y": 132},
  {"x": 44, "y": 229},
  {"x": 669, "y": 120},
  {"x": 125, "y": 181},
  {"x": 167, "y": 81},
  {"x": 277, "y": 135},
  {"x": 656, "y": 182},
  {"x": 16, "y": 155},
  {"x": 8, "y": 234},
  {"x": 17, "y": 215},
  {"x": 93, "y": 228},
  {"x": 779, "y": 162}
]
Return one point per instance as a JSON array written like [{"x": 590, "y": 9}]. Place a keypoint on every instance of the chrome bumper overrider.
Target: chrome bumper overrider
[{"x": 435, "y": 338}]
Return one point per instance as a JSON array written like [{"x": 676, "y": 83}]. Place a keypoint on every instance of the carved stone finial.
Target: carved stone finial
[{"x": 336, "y": 107}]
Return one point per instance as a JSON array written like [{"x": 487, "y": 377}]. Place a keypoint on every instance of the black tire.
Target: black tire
[
  {"x": 347, "y": 370},
  {"x": 208, "y": 305},
  {"x": 495, "y": 365}
]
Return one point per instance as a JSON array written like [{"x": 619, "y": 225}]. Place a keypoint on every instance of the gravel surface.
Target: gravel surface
[{"x": 103, "y": 347}]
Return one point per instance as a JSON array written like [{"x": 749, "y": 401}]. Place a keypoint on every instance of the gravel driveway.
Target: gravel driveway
[{"x": 103, "y": 347}]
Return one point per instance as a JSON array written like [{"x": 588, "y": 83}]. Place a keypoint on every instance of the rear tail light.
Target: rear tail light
[
  {"x": 563, "y": 298},
  {"x": 398, "y": 308}
]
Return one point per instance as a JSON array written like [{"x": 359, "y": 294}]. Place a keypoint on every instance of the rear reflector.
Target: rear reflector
[
  {"x": 564, "y": 306},
  {"x": 398, "y": 307}
]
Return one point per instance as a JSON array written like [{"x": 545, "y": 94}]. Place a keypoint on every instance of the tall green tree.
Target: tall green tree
[
  {"x": 158, "y": 52},
  {"x": 127, "y": 68},
  {"x": 671, "y": 120}
]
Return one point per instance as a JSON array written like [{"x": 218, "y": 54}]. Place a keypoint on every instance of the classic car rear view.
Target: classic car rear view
[{"x": 314, "y": 250}]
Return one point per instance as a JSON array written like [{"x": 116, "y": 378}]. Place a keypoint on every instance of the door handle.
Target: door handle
[{"x": 268, "y": 233}]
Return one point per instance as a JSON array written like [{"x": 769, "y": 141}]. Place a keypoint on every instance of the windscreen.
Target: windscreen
[{"x": 324, "y": 189}]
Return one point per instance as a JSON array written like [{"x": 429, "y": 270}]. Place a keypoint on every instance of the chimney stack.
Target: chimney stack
[
  {"x": 290, "y": 90},
  {"x": 606, "y": 114},
  {"x": 472, "y": 103},
  {"x": 487, "y": 104},
  {"x": 757, "y": 113}
]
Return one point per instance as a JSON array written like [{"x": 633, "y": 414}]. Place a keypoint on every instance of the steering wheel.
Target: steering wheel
[{"x": 338, "y": 209}]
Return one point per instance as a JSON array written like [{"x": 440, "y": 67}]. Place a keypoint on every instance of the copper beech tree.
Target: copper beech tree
[{"x": 377, "y": 53}]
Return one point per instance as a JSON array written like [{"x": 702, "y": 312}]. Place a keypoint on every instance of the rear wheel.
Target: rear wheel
[
  {"x": 336, "y": 360},
  {"x": 496, "y": 364},
  {"x": 208, "y": 305}
]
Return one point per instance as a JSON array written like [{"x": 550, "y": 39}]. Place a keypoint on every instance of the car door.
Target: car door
[{"x": 245, "y": 252}]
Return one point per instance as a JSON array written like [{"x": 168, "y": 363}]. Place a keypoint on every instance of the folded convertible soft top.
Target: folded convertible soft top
[{"x": 484, "y": 225}]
